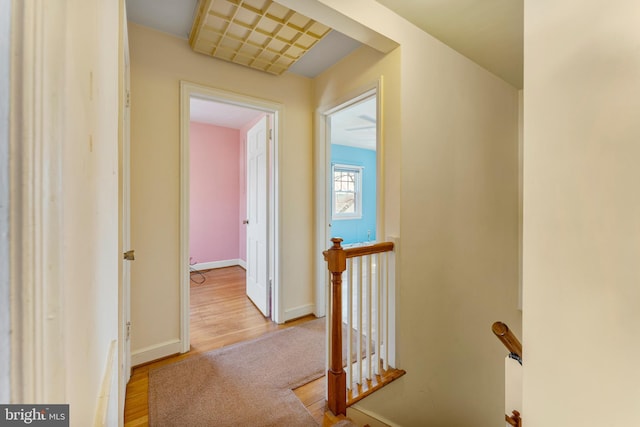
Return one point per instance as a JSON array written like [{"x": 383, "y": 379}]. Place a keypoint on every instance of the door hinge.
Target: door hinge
[
  {"x": 127, "y": 101},
  {"x": 270, "y": 134},
  {"x": 128, "y": 330},
  {"x": 129, "y": 255}
]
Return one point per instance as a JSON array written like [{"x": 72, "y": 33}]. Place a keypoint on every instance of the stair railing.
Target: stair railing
[
  {"x": 367, "y": 320},
  {"x": 513, "y": 373}
]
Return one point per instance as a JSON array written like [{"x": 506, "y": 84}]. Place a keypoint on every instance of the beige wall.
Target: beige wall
[
  {"x": 458, "y": 205},
  {"x": 581, "y": 213},
  {"x": 158, "y": 63}
]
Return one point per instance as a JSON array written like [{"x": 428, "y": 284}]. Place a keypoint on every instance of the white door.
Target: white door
[
  {"x": 258, "y": 289},
  {"x": 125, "y": 194}
]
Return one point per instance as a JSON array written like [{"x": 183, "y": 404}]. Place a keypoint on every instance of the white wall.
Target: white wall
[
  {"x": 581, "y": 213},
  {"x": 90, "y": 201},
  {"x": 457, "y": 182},
  {"x": 65, "y": 240},
  {"x": 158, "y": 63}
]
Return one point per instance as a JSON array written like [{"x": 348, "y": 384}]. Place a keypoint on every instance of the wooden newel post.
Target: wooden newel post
[{"x": 336, "y": 377}]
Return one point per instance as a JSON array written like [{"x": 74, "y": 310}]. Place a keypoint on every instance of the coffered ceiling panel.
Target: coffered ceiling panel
[{"x": 260, "y": 34}]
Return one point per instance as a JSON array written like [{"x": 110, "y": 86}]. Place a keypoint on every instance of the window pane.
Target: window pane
[
  {"x": 346, "y": 186},
  {"x": 345, "y": 202}
]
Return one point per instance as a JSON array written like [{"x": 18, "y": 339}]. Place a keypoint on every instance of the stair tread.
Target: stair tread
[{"x": 360, "y": 391}]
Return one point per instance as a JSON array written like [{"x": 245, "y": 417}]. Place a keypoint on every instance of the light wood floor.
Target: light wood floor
[{"x": 221, "y": 314}]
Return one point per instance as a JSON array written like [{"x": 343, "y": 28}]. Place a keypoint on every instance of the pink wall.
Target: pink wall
[{"x": 215, "y": 194}]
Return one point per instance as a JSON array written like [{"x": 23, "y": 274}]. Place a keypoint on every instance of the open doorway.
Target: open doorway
[
  {"x": 228, "y": 203},
  {"x": 228, "y": 189},
  {"x": 353, "y": 172},
  {"x": 349, "y": 172}
]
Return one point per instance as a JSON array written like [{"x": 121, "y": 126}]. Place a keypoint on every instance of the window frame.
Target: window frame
[{"x": 359, "y": 175}]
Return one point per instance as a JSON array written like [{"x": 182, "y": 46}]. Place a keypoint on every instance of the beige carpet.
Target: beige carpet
[{"x": 247, "y": 384}]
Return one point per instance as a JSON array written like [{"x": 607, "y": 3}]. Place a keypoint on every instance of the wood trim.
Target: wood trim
[
  {"x": 337, "y": 398},
  {"x": 5, "y": 294},
  {"x": 276, "y": 110},
  {"x": 107, "y": 387},
  {"x": 38, "y": 356},
  {"x": 155, "y": 352},
  {"x": 201, "y": 266},
  {"x": 183, "y": 254},
  {"x": 298, "y": 312},
  {"x": 323, "y": 171},
  {"x": 358, "y": 392},
  {"x": 507, "y": 338}
]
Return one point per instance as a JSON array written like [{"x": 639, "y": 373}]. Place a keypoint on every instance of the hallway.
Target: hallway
[{"x": 221, "y": 314}]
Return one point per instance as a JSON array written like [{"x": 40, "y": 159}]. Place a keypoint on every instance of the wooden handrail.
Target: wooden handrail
[
  {"x": 376, "y": 248},
  {"x": 507, "y": 337},
  {"x": 514, "y": 420}
]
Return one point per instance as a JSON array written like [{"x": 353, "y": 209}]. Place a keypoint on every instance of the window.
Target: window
[{"x": 347, "y": 192}]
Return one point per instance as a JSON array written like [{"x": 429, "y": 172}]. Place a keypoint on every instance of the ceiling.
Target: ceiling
[
  {"x": 260, "y": 34},
  {"x": 220, "y": 114},
  {"x": 355, "y": 125},
  {"x": 176, "y": 17},
  {"x": 489, "y": 32}
]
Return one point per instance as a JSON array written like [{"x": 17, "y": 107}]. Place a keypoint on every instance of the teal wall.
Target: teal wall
[{"x": 363, "y": 229}]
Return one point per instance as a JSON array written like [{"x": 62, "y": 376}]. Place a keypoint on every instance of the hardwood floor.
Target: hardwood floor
[{"x": 221, "y": 314}]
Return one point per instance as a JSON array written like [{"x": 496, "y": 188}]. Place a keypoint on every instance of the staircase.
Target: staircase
[{"x": 362, "y": 305}]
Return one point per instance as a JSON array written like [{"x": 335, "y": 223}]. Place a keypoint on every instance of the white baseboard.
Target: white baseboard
[
  {"x": 363, "y": 417},
  {"x": 107, "y": 407},
  {"x": 155, "y": 352},
  {"x": 219, "y": 264},
  {"x": 300, "y": 311}
]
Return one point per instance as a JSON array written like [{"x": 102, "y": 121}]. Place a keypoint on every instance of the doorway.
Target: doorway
[
  {"x": 349, "y": 193},
  {"x": 222, "y": 231},
  {"x": 352, "y": 193}
]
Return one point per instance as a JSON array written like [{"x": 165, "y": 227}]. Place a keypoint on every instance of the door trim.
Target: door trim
[
  {"x": 323, "y": 170},
  {"x": 5, "y": 294},
  {"x": 38, "y": 355},
  {"x": 188, "y": 89}
]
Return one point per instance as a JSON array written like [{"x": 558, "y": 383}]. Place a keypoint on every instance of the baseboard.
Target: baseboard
[
  {"x": 155, "y": 352},
  {"x": 364, "y": 417},
  {"x": 219, "y": 264},
  {"x": 300, "y": 311},
  {"x": 107, "y": 406}
]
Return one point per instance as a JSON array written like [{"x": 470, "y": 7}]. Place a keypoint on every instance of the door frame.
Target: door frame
[
  {"x": 5, "y": 294},
  {"x": 187, "y": 90},
  {"x": 322, "y": 151}
]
